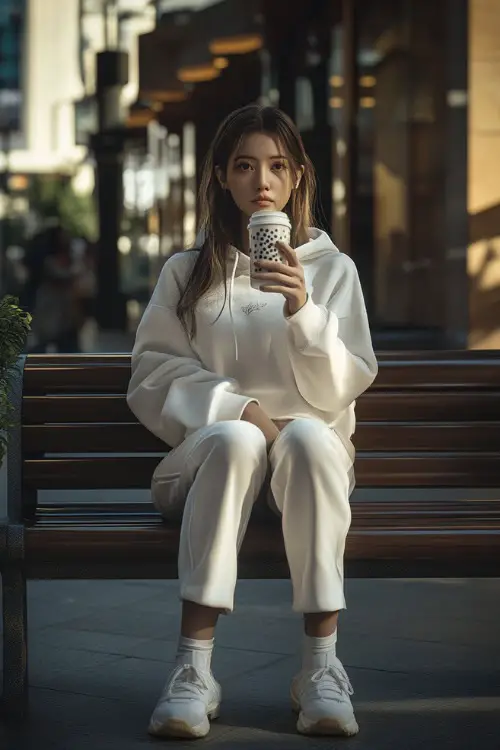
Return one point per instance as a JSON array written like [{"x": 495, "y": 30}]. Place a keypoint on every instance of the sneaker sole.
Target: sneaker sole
[
  {"x": 180, "y": 729},
  {"x": 324, "y": 727}
]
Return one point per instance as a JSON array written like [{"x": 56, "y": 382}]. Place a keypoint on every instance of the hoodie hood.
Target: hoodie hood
[{"x": 318, "y": 245}]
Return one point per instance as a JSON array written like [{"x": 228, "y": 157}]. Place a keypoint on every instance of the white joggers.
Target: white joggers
[{"x": 216, "y": 476}]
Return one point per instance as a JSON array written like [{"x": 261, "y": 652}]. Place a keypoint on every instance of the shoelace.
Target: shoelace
[
  {"x": 186, "y": 682},
  {"x": 338, "y": 684}
]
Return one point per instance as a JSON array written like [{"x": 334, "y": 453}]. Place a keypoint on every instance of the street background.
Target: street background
[{"x": 107, "y": 108}]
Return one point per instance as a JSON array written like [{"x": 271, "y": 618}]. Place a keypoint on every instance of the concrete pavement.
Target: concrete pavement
[{"x": 423, "y": 657}]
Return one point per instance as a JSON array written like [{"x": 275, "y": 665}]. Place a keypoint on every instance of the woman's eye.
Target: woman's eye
[
  {"x": 243, "y": 166},
  {"x": 278, "y": 166}
]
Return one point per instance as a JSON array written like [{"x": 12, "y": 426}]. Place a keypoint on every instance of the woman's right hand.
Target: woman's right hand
[{"x": 254, "y": 414}]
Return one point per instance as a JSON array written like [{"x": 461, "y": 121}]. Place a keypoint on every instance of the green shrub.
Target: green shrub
[{"x": 14, "y": 329}]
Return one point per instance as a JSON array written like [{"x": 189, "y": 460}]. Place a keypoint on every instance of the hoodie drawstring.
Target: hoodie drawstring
[{"x": 231, "y": 290}]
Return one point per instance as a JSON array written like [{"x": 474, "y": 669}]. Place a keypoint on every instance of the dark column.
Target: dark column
[
  {"x": 456, "y": 286},
  {"x": 318, "y": 141},
  {"x": 110, "y": 302},
  {"x": 350, "y": 132},
  {"x": 108, "y": 147}
]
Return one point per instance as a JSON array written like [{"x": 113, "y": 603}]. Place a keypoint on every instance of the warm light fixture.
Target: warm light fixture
[
  {"x": 221, "y": 63},
  {"x": 198, "y": 73},
  {"x": 336, "y": 81},
  {"x": 336, "y": 102},
  {"x": 140, "y": 118},
  {"x": 239, "y": 44},
  {"x": 18, "y": 182},
  {"x": 367, "y": 81},
  {"x": 166, "y": 96},
  {"x": 367, "y": 102}
]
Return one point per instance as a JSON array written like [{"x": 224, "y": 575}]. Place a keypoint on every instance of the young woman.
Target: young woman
[{"x": 246, "y": 384}]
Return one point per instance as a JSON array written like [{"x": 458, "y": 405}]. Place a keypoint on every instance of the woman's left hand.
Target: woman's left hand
[
  {"x": 284, "y": 279},
  {"x": 281, "y": 423}
]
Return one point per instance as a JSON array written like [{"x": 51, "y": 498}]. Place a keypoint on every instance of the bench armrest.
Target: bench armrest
[{"x": 14, "y": 447}]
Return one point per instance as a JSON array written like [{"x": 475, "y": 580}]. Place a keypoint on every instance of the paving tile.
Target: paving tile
[
  {"x": 62, "y": 721},
  {"x": 92, "y": 593},
  {"x": 118, "y": 678},
  {"x": 419, "y": 609},
  {"x": 56, "y": 668},
  {"x": 128, "y": 621},
  {"x": 277, "y": 635},
  {"x": 248, "y": 737},
  {"x": 407, "y": 655},
  {"x": 87, "y": 640},
  {"x": 48, "y": 613}
]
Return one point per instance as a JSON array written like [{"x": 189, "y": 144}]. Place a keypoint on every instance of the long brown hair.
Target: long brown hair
[{"x": 220, "y": 217}]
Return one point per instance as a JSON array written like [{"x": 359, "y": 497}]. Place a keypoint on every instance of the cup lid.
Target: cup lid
[{"x": 269, "y": 217}]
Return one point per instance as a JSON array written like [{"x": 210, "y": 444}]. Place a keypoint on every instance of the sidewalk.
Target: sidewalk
[
  {"x": 423, "y": 657},
  {"x": 94, "y": 340}
]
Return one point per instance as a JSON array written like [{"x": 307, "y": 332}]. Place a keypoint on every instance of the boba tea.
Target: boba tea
[{"x": 266, "y": 228}]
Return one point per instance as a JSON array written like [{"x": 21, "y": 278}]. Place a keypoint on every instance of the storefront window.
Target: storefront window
[{"x": 397, "y": 212}]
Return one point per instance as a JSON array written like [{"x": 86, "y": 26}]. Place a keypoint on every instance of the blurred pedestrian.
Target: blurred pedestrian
[{"x": 53, "y": 293}]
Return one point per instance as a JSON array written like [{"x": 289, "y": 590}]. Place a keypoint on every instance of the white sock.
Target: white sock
[
  {"x": 196, "y": 653},
  {"x": 318, "y": 652}
]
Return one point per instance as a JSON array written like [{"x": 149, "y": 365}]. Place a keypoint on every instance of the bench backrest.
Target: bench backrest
[{"x": 430, "y": 420}]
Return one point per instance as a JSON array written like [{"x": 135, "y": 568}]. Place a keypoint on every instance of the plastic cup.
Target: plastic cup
[{"x": 266, "y": 228}]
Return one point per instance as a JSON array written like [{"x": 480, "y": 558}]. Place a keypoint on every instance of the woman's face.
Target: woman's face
[{"x": 259, "y": 175}]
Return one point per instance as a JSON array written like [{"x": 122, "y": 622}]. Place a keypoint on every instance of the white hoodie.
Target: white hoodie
[{"x": 312, "y": 364}]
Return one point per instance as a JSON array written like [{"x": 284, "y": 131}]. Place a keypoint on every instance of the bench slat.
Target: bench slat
[
  {"x": 56, "y": 511},
  {"x": 429, "y": 436},
  {"x": 360, "y": 521},
  {"x": 424, "y": 470},
  {"x": 465, "y": 374},
  {"x": 365, "y": 514},
  {"x": 90, "y": 438},
  {"x": 151, "y": 551},
  {"x": 69, "y": 409},
  {"x": 81, "y": 378},
  {"x": 434, "y": 406},
  {"x": 428, "y": 406},
  {"x": 381, "y": 436},
  {"x": 390, "y": 355}
]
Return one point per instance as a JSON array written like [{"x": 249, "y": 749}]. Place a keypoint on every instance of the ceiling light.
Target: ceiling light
[
  {"x": 221, "y": 63},
  {"x": 336, "y": 81},
  {"x": 167, "y": 96},
  {"x": 367, "y": 81},
  {"x": 239, "y": 44},
  {"x": 198, "y": 73}
]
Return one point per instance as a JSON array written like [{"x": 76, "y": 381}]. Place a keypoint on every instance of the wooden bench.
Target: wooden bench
[{"x": 430, "y": 421}]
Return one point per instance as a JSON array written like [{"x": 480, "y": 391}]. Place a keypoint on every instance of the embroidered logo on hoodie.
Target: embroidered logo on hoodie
[{"x": 253, "y": 307}]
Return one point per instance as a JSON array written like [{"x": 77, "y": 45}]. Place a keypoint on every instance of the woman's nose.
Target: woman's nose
[{"x": 263, "y": 178}]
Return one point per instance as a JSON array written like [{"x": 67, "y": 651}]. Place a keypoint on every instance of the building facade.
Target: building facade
[{"x": 397, "y": 102}]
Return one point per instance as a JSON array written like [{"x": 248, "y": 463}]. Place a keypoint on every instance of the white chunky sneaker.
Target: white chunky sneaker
[
  {"x": 188, "y": 701},
  {"x": 321, "y": 698}
]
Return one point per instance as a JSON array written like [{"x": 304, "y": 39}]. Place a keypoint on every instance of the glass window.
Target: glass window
[{"x": 397, "y": 213}]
